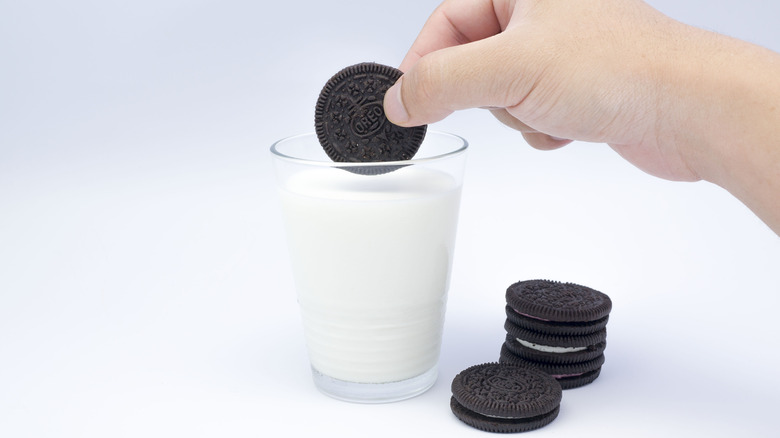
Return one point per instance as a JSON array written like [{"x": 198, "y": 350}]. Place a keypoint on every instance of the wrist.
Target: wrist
[{"x": 724, "y": 118}]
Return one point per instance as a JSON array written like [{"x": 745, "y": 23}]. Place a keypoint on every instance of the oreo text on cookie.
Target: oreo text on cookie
[{"x": 369, "y": 119}]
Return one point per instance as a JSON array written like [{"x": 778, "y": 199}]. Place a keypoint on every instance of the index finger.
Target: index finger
[{"x": 456, "y": 22}]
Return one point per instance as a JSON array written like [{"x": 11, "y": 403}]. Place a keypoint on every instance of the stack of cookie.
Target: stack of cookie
[{"x": 559, "y": 328}]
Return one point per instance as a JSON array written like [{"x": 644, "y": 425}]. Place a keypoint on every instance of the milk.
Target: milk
[{"x": 372, "y": 257}]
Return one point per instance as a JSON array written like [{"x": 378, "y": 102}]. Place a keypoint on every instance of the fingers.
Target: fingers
[
  {"x": 443, "y": 57},
  {"x": 544, "y": 142},
  {"x": 461, "y": 60},
  {"x": 453, "y": 23},
  {"x": 477, "y": 74},
  {"x": 504, "y": 117},
  {"x": 536, "y": 139}
]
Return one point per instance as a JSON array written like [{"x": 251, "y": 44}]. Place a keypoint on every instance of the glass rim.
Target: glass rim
[{"x": 342, "y": 164}]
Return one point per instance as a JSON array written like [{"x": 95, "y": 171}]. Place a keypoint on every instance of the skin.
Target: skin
[{"x": 678, "y": 102}]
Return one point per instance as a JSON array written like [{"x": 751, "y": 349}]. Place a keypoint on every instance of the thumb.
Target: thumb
[{"x": 477, "y": 74}]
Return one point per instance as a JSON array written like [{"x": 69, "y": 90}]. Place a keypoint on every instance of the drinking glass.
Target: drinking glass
[{"x": 371, "y": 248}]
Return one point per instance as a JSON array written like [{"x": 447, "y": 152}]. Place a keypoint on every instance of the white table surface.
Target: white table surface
[{"x": 145, "y": 288}]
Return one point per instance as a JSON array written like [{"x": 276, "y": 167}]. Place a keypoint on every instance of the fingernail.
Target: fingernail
[
  {"x": 559, "y": 138},
  {"x": 394, "y": 106}
]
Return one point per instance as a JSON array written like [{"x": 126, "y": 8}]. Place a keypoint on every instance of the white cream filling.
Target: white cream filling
[{"x": 549, "y": 349}]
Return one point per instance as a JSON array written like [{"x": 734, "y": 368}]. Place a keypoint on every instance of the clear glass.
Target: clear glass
[{"x": 371, "y": 248}]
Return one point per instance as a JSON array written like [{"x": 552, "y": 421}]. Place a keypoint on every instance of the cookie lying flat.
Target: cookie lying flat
[
  {"x": 571, "y": 375},
  {"x": 553, "y": 348},
  {"x": 555, "y": 327},
  {"x": 350, "y": 120},
  {"x": 505, "y": 398},
  {"x": 557, "y": 308}
]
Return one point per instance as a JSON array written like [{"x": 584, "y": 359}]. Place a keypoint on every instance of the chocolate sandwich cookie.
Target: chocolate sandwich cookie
[
  {"x": 557, "y": 308},
  {"x": 505, "y": 398},
  {"x": 555, "y": 327},
  {"x": 572, "y": 375},
  {"x": 554, "y": 349},
  {"x": 350, "y": 120}
]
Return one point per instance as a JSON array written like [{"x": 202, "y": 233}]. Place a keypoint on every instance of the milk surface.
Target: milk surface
[{"x": 371, "y": 257}]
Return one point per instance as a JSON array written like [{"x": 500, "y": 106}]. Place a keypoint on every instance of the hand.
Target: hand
[
  {"x": 678, "y": 102},
  {"x": 553, "y": 70}
]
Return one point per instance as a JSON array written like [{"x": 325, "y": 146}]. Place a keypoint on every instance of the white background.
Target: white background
[{"x": 145, "y": 288}]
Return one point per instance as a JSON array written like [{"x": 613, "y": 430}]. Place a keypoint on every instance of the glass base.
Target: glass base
[{"x": 375, "y": 392}]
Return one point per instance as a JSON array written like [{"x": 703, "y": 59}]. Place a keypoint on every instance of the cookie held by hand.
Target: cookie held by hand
[{"x": 350, "y": 119}]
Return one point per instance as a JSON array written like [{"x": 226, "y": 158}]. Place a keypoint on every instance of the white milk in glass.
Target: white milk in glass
[{"x": 371, "y": 257}]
